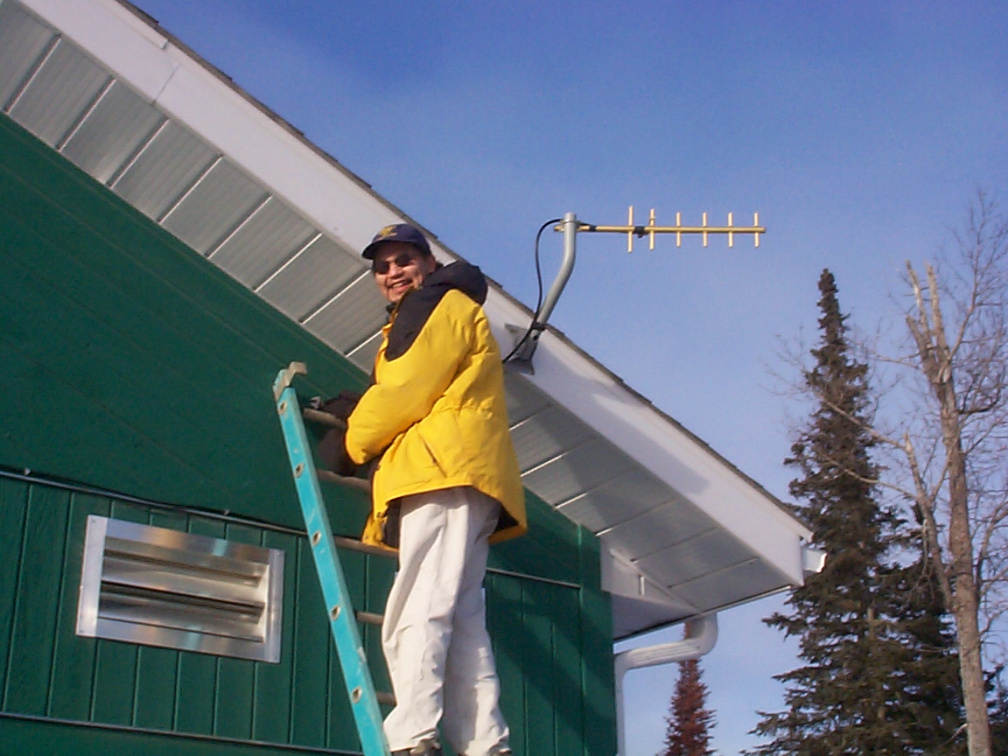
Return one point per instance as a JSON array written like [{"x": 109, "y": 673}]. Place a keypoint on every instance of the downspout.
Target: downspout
[{"x": 701, "y": 635}]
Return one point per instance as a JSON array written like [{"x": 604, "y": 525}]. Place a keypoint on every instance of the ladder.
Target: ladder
[{"x": 342, "y": 619}]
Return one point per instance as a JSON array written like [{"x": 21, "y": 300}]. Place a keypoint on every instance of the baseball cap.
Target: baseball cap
[{"x": 399, "y": 232}]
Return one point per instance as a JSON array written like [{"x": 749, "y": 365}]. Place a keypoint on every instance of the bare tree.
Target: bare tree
[{"x": 955, "y": 441}]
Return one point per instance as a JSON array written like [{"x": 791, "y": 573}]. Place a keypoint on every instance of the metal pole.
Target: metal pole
[
  {"x": 570, "y": 230},
  {"x": 521, "y": 360}
]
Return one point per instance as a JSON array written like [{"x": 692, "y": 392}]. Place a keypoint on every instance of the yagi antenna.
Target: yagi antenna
[
  {"x": 528, "y": 338},
  {"x": 678, "y": 229}
]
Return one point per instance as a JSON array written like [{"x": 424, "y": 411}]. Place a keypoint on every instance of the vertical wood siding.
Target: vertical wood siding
[
  {"x": 47, "y": 671},
  {"x": 542, "y": 631}
]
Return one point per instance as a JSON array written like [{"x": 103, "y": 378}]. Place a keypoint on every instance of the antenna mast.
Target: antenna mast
[{"x": 528, "y": 340}]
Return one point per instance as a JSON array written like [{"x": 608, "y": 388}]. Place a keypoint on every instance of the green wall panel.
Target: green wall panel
[
  {"x": 33, "y": 631},
  {"x": 123, "y": 340},
  {"x": 13, "y": 509},
  {"x": 506, "y": 625},
  {"x": 74, "y": 657},
  {"x": 310, "y": 699},
  {"x": 597, "y": 674},
  {"x": 273, "y": 682}
]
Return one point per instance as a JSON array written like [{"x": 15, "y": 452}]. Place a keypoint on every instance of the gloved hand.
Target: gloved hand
[
  {"x": 341, "y": 405},
  {"x": 332, "y": 453}
]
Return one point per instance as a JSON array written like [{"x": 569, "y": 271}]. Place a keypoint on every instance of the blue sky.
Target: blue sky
[{"x": 858, "y": 130}]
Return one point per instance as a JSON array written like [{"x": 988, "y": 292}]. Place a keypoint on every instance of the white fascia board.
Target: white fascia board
[
  {"x": 115, "y": 36},
  {"x": 671, "y": 454},
  {"x": 186, "y": 90}
]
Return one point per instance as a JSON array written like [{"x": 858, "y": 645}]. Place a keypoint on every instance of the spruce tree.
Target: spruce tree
[
  {"x": 879, "y": 671},
  {"x": 687, "y": 731}
]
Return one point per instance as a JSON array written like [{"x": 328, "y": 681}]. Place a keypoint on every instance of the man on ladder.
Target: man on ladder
[{"x": 446, "y": 484}]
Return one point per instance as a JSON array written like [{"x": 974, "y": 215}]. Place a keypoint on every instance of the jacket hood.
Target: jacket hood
[{"x": 459, "y": 275}]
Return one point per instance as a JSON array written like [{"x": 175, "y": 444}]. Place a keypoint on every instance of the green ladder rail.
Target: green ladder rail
[{"x": 342, "y": 619}]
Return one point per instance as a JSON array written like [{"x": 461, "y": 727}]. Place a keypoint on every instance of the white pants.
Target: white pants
[{"x": 434, "y": 634}]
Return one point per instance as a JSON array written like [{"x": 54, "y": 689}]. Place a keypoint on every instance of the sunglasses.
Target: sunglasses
[{"x": 402, "y": 260}]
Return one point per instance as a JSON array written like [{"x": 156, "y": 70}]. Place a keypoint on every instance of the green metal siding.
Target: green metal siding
[
  {"x": 46, "y": 670},
  {"x": 541, "y": 631},
  {"x": 132, "y": 364}
]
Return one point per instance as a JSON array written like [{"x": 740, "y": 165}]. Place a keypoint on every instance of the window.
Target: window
[{"x": 161, "y": 587}]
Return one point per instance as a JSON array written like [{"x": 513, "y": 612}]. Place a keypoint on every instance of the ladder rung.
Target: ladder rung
[
  {"x": 322, "y": 418},
  {"x": 345, "y": 480},
  {"x": 354, "y": 544},
  {"x": 384, "y": 698},
  {"x": 370, "y": 618}
]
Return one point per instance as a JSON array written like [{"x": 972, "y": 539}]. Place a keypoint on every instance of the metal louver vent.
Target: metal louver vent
[{"x": 160, "y": 587}]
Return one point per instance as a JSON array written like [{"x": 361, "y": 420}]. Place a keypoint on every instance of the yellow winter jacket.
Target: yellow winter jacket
[{"x": 436, "y": 413}]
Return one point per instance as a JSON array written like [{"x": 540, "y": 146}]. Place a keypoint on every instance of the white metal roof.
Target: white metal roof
[{"x": 684, "y": 532}]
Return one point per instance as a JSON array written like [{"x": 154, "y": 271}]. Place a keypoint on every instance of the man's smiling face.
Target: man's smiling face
[{"x": 399, "y": 267}]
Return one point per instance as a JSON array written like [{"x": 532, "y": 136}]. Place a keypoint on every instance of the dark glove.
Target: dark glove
[
  {"x": 341, "y": 405},
  {"x": 332, "y": 453}
]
